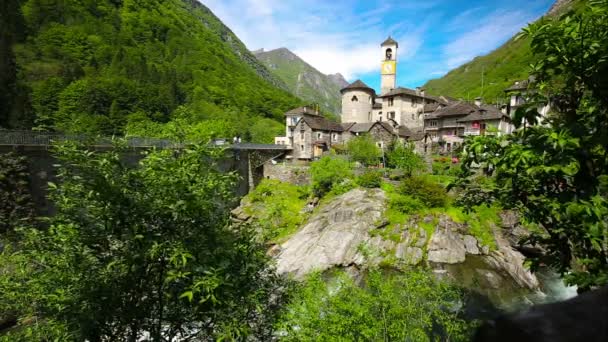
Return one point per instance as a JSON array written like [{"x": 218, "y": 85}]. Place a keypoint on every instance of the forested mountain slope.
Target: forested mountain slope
[
  {"x": 304, "y": 80},
  {"x": 99, "y": 66},
  {"x": 500, "y": 68}
]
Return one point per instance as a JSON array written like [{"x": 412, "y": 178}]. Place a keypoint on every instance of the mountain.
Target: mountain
[
  {"x": 500, "y": 68},
  {"x": 303, "y": 80},
  {"x": 109, "y": 66}
]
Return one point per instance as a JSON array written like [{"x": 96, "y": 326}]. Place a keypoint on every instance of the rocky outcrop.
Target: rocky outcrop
[
  {"x": 334, "y": 235},
  {"x": 351, "y": 231}
]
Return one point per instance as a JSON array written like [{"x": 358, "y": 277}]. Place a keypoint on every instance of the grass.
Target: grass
[{"x": 277, "y": 208}]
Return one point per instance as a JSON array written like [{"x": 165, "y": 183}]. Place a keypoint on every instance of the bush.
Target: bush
[
  {"x": 405, "y": 204},
  {"x": 370, "y": 179},
  {"x": 428, "y": 192},
  {"x": 403, "y": 157},
  {"x": 327, "y": 172},
  {"x": 363, "y": 149},
  {"x": 390, "y": 307}
]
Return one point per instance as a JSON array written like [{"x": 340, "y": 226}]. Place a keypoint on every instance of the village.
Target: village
[{"x": 431, "y": 124}]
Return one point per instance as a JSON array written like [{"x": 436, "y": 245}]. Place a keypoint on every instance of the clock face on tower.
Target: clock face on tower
[{"x": 388, "y": 67}]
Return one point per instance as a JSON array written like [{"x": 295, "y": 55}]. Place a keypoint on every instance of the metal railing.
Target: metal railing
[{"x": 33, "y": 138}]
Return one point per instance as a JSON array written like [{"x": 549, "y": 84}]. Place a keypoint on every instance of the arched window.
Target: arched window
[
  {"x": 389, "y": 54},
  {"x": 354, "y": 99}
]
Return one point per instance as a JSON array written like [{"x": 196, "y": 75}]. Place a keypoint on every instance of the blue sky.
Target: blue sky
[{"x": 344, "y": 36}]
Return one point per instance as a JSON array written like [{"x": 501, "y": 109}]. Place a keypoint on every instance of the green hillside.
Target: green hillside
[
  {"x": 500, "y": 68},
  {"x": 304, "y": 80},
  {"x": 145, "y": 67}
]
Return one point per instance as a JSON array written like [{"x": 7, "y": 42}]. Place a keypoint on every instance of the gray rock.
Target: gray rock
[
  {"x": 410, "y": 255},
  {"x": 470, "y": 244},
  {"x": 446, "y": 247},
  {"x": 333, "y": 236}
]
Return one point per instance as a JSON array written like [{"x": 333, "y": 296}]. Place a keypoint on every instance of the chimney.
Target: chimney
[
  {"x": 478, "y": 101},
  {"x": 305, "y": 109},
  {"x": 422, "y": 92},
  {"x": 417, "y": 90}
]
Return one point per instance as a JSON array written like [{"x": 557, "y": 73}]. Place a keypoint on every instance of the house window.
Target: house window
[
  {"x": 380, "y": 144},
  {"x": 475, "y": 125},
  {"x": 302, "y": 147},
  {"x": 302, "y": 134},
  {"x": 433, "y": 123},
  {"x": 391, "y": 101},
  {"x": 413, "y": 117},
  {"x": 354, "y": 99},
  {"x": 380, "y": 117},
  {"x": 319, "y": 135},
  {"x": 334, "y": 137},
  {"x": 391, "y": 115},
  {"x": 414, "y": 102}
]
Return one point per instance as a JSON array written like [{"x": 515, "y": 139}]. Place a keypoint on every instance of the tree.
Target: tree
[
  {"x": 404, "y": 157},
  {"x": 136, "y": 251},
  {"x": 328, "y": 172},
  {"x": 264, "y": 131},
  {"x": 363, "y": 149},
  {"x": 387, "y": 307},
  {"x": 557, "y": 175}
]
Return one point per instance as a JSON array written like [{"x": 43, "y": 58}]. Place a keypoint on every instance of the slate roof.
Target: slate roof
[
  {"x": 431, "y": 107},
  {"x": 485, "y": 112},
  {"x": 454, "y": 109},
  {"x": 319, "y": 123},
  {"x": 301, "y": 110},
  {"x": 389, "y": 41},
  {"x": 358, "y": 84},
  {"x": 347, "y": 125},
  {"x": 401, "y": 91}
]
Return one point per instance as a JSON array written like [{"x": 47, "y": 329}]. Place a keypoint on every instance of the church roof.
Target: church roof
[
  {"x": 358, "y": 84},
  {"x": 389, "y": 41}
]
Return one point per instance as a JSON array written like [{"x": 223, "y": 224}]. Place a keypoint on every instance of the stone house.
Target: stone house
[
  {"x": 449, "y": 125},
  {"x": 313, "y": 135}
]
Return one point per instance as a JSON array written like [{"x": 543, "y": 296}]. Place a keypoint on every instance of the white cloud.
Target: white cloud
[{"x": 332, "y": 36}]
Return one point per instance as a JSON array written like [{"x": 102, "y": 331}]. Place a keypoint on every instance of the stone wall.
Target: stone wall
[
  {"x": 359, "y": 110},
  {"x": 288, "y": 172}
]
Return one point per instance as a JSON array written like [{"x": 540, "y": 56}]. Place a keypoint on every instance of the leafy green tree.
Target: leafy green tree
[
  {"x": 328, "y": 172},
  {"x": 16, "y": 207},
  {"x": 264, "y": 131},
  {"x": 557, "y": 175},
  {"x": 139, "y": 251},
  {"x": 403, "y": 157},
  {"x": 401, "y": 307},
  {"x": 363, "y": 149}
]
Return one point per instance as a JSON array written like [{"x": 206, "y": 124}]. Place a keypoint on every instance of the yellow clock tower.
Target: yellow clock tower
[{"x": 388, "y": 69}]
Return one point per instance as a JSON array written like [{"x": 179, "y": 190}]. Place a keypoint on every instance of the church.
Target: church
[{"x": 396, "y": 113}]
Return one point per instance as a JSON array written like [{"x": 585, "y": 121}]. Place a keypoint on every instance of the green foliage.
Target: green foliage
[
  {"x": 413, "y": 306},
  {"x": 370, "y": 179},
  {"x": 443, "y": 166},
  {"x": 328, "y": 173},
  {"x": 264, "y": 130},
  {"x": 135, "y": 250},
  {"x": 405, "y": 204},
  {"x": 277, "y": 208},
  {"x": 404, "y": 157},
  {"x": 553, "y": 175},
  {"x": 363, "y": 149},
  {"x": 91, "y": 65},
  {"x": 16, "y": 206},
  {"x": 428, "y": 192}
]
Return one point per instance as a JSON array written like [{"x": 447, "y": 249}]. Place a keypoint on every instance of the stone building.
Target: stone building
[
  {"x": 357, "y": 102},
  {"x": 449, "y": 124}
]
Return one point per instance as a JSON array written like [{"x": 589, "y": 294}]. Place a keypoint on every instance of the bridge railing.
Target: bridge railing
[{"x": 33, "y": 138}]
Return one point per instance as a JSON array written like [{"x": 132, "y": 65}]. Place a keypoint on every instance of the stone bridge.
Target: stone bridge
[{"x": 247, "y": 159}]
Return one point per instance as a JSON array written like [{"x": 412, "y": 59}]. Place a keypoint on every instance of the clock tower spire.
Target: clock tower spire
[{"x": 388, "y": 69}]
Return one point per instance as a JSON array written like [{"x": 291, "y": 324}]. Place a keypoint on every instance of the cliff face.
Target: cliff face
[{"x": 303, "y": 80}]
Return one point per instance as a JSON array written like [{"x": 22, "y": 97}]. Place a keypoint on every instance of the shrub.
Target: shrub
[
  {"x": 390, "y": 307},
  {"x": 370, "y": 179},
  {"x": 363, "y": 149},
  {"x": 428, "y": 192},
  {"x": 327, "y": 172},
  {"x": 405, "y": 204},
  {"x": 403, "y": 157}
]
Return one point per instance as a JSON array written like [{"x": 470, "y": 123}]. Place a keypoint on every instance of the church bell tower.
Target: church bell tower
[{"x": 388, "y": 69}]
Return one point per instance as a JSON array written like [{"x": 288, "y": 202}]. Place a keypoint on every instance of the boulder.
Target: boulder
[{"x": 446, "y": 247}]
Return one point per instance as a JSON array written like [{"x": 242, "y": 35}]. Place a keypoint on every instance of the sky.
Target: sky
[{"x": 344, "y": 36}]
